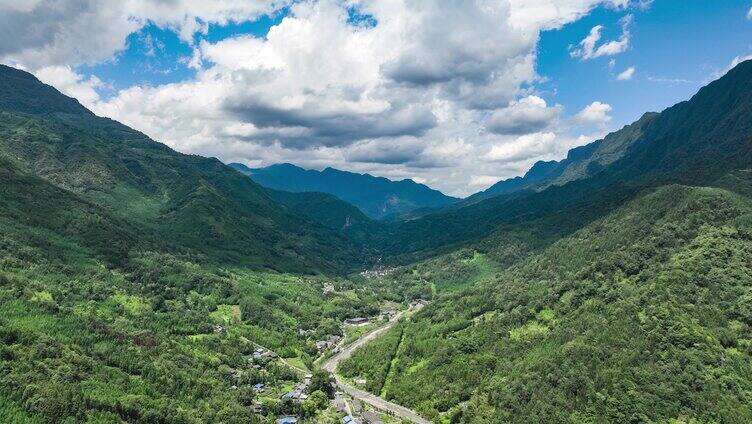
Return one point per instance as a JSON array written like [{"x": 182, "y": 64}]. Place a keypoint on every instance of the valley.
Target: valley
[{"x": 139, "y": 284}]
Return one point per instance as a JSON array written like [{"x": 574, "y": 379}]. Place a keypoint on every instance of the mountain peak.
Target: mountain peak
[{"x": 22, "y": 92}]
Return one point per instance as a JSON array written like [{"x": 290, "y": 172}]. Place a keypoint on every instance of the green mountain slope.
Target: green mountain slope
[
  {"x": 135, "y": 282},
  {"x": 641, "y": 316},
  {"x": 377, "y": 197},
  {"x": 191, "y": 204},
  {"x": 332, "y": 212}
]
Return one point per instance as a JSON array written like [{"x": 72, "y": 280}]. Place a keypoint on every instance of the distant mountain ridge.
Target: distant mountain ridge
[
  {"x": 377, "y": 197},
  {"x": 580, "y": 162}
]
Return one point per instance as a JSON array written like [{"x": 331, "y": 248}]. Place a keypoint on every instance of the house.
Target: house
[
  {"x": 371, "y": 418},
  {"x": 357, "y": 321},
  {"x": 257, "y": 408},
  {"x": 418, "y": 303},
  {"x": 349, "y": 420},
  {"x": 259, "y": 387},
  {"x": 287, "y": 420}
]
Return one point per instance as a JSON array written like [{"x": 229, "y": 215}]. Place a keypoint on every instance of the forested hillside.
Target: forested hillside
[
  {"x": 642, "y": 316},
  {"x": 187, "y": 204},
  {"x": 693, "y": 142},
  {"x": 136, "y": 282},
  {"x": 620, "y": 290}
]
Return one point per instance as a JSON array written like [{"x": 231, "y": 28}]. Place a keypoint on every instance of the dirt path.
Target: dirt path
[{"x": 369, "y": 398}]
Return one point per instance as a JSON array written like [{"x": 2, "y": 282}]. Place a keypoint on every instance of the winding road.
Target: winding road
[{"x": 369, "y": 398}]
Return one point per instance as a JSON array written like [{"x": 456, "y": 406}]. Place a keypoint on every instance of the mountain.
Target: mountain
[
  {"x": 640, "y": 316},
  {"x": 377, "y": 197},
  {"x": 580, "y": 162},
  {"x": 177, "y": 203},
  {"x": 332, "y": 212},
  {"x": 621, "y": 291},
  {"x": 693, "y": 142}
]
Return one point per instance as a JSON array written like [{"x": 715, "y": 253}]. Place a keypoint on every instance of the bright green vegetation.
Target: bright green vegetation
[
  {"x": 641, "y": 316},
  {"x": 613, "y": 286},
  {"x": 372, "y": 362},
  {"x": 619, "y": 285},
  {"x": 446, "y": 273},
  {"x": 136, "y": 282},
  {"x": 81, "y": 341}
]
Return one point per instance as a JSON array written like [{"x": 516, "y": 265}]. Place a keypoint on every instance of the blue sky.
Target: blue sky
[
  {"x": 677, "y": 47},
  {"x": 456, "y": 95}
]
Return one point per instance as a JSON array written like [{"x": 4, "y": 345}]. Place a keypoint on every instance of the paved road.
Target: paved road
[{"x": 369, "y": 398}]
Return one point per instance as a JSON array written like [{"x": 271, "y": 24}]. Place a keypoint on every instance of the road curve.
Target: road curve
[{"x": 369, "y": 398}]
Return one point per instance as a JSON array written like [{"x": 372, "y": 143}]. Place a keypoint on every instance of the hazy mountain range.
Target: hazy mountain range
[{"x": 377, "y": 197}]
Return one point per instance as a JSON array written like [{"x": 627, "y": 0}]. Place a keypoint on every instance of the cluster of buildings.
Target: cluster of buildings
[
  {"x": 262, "y": 355},
  {"x": 300, "y": 393},
  {"x": 329, "y": 343},
  {"x": 377, "y": 272}
]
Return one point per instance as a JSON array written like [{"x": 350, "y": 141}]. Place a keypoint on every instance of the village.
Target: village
[{"x": 278, "y": 398}]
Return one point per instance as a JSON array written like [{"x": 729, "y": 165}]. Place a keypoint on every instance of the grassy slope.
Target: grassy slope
[{"x": 641, "y": 316}]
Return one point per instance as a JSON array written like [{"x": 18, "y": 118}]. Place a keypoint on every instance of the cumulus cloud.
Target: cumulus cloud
[
  {"x": 41, "y": 33},
  {"x": 528, "y": 115},
  {"x": 71, "y": 83},
  {"x": 596, "y": 113},
  {"x": 588, "y": 48},
  {"x": 395, "y": 94},
  {"x": 523, "y": 147},
  {"x": 627, "y": 75}
]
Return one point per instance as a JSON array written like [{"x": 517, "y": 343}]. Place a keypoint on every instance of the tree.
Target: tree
[{"x": 321, "y": 380}]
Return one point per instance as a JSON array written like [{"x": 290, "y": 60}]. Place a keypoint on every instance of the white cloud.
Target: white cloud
[
  {"x": 71, "y": 32},
  {"x": 627, "y": 75},
  {"x": 483, "y": 181},
  {"x": 749, "y": 14},
  {"x": 589, "y": 48},
  {"x": 403, "y": 98},
  {"x": 70, "y": 83},
  {"x": 595, "y": 113},
  {"x": 523, "y": 147},
  {"x": 528, "y": 115}
]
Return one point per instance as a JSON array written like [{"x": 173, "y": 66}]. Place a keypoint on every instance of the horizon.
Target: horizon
[{"x": 243, "y": 82}]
